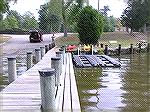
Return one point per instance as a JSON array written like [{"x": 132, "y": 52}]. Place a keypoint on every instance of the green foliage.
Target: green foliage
[
  {"x": 90, "y": 25},
  {"x": 109, "y": 24},
  {"x": 29, "y": 21},
  {"x": 50, "y": 18},
  {"x": 135, "y": 15},
  {"x": 10, "y": 22}
]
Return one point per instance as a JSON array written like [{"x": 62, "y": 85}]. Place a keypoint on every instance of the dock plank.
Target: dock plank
[
  {"x": 67, "y": 95},
  {"x": 74, "y": 92}
]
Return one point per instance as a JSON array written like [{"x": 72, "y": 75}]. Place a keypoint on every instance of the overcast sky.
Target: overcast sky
[{"x": 116, "y": 6}]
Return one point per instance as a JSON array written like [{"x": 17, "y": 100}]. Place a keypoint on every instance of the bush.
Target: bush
[{"x": 90, "y": 25}]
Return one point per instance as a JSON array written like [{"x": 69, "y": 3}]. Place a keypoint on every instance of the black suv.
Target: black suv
[{"x": 35, "y": 36}]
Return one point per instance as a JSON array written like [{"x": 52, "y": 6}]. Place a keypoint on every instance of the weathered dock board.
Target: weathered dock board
[{"x": 24, "y": 95}]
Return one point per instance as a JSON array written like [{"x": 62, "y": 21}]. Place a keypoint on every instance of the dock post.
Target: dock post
[
  {"x": 92, "y": 49},
  {"x": 59, "y": 54},
  {"x": 131, "y": 49},
  {"x": 46, "y": 48},
  {"x": 29, "y": 60},
  {"x": 12, "y": 74},
  {"x": 119, "y": 49},
  {"x": 37, "y": 55},
  {"x": 55, "y": 64},
  {"x": 106, "y": 50},
  {"x": 42, "y": 49},
  {"x": 139, "y": 47},
  {"x": 148, "y": 47},
  {"x": 47, "y": 83},
  {"x": 62, "y": 49},
  {"x": 50, "y": 46}
]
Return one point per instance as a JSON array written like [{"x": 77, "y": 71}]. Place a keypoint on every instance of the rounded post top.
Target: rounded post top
[
  {"x": 29, "y": 52},
  {"x": 61, "y": 49},
  {"x": 37, "y": 49},
  {"x": 55, "y": 58},
  {"x": 11, "y": 58},
  {"x": 58, "y": 52},
  {"x": 45, "y": 72}
]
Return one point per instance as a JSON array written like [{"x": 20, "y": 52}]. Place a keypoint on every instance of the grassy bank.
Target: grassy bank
[{"x": 123, "y": 38}]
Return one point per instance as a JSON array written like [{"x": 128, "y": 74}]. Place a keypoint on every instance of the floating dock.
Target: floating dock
[{"x": 95, "y": 61}]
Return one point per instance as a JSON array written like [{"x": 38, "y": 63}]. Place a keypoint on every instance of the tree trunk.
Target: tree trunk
[{"x": 64, "y": 19}]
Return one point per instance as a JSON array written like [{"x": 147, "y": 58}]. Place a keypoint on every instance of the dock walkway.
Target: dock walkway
[{"x": 24, "y": 95}]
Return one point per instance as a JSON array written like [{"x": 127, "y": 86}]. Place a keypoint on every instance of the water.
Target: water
[
  {"x": 124, "y": 89},
  {"x": 20, "y": 66}
]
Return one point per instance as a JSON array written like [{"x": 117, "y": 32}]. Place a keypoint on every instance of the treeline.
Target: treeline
[{"x": 136, "y": 16}]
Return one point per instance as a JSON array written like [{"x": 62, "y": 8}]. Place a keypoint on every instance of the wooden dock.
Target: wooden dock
[{"x": 24, "y": 95}]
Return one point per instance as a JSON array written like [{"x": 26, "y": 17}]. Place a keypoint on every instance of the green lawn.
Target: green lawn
[{"x": 123, "y": 38}]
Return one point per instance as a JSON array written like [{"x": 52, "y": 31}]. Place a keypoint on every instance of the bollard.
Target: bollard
[
  {"x": 101, "y": 45},
  {"x": 148, "y": 47},
  {"x": 46, "y": 49},
  {"x": 55, "y": 63},
  {"x": 42, "y": 49},
  {"x": 139, "y": 47},
  {"x": 62, "y": 49},
  {"x": 131, "y": 49},
  {"x": 119, "y": 49},
  {"x": 37, "y": 55},
  {"x": 59, "y": 54},
  {"x": 50, "y": 46},
  {"x": 106, "y": 50},
  {"x": 29, "y": 60},
  {"x": 12, "y": 74},
  {"x": 47, "y": 83}
]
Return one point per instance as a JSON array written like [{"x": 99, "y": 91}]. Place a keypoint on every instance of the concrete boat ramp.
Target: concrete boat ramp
[{"x": 95, "y": 61}]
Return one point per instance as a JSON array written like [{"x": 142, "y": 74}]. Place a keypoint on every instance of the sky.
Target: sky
[{"x": 116, "y": 6}]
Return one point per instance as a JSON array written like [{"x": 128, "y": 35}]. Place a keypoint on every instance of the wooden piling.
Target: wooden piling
[
  {"x": 55, "y": 64},
  {"x": 46, "y": 48},
  {"x": 106, "y": 50},
  {"x": 47, "y": 83},
  {"x": 12, "y": 74},
  {"x": 37, "y": 55},
  {"x": 119, "y": 50},
  {"x": 29, "y": 60},
  {"x": 131, "y": 48},
  {"x": 42, "y": 49}
]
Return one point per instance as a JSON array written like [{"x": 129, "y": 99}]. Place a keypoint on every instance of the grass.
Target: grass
[
  {"x": 70, "y": 40},
  {"x": 123, "y": 38},
  {"x": 4, "y": 38}
]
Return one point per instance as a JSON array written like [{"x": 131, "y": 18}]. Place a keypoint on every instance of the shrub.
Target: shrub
[{"x": 90, "y": 25}]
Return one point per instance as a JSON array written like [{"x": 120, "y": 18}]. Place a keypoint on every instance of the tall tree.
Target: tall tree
[
  {"x": 90, "y": 25},
  {"x": 29, "y": 21},
  {"x": 10, "y": 22},
  {"x": 135, "y": 15}
]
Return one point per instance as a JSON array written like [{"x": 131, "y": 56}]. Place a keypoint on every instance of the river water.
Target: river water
[{"x": 124, "y": 89}]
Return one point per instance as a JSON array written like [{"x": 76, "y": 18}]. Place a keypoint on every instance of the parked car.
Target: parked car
[{"x": 35, "y": 36}]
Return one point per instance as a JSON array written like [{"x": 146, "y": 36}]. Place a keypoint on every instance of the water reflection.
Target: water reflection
[{"x": 124, "y": 89}]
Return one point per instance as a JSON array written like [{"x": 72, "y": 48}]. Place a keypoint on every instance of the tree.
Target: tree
[
  {"x": 29, "y": 21},
  {"x": 17, "y": 16},
  {"x": 105, "y": 10},
  {"x": 10, "y": 22},
  {"x": 90, "y": 25},
  {"x": 43, "y": 18},
  {"x": 135, "y": 15}
]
